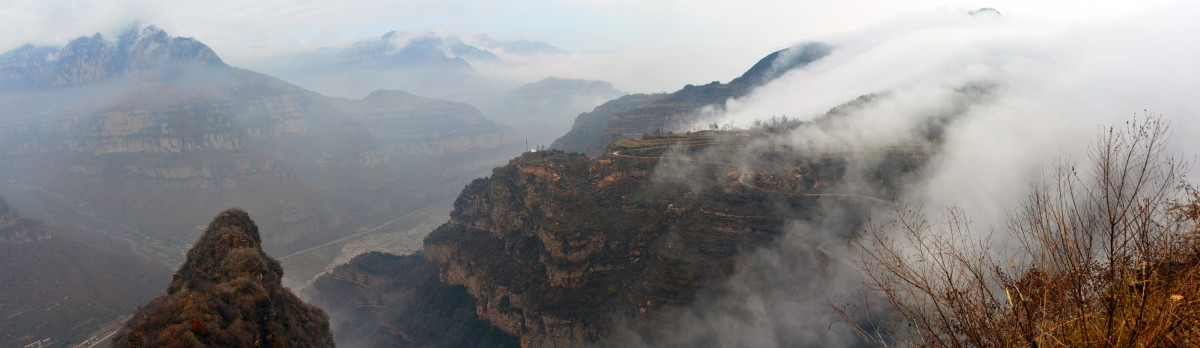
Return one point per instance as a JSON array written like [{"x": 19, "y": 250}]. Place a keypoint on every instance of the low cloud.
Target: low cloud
[
  {"x": 1010, "y": 98},
  {"x": 1050, "y": 88}
]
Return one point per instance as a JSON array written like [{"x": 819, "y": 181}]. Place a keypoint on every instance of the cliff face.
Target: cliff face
[
  {"x": 681, "y": 107},
  {"x": 554, "y": 247},
  {"x": 382, "y": 300},
  {"x": 227, "y": 293}
]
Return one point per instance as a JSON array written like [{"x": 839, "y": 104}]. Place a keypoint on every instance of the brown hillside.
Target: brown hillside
[{"x": 228, "y": 294}]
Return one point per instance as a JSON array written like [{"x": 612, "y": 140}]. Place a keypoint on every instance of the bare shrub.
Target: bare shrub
[{"x": 1108, "y": 257}]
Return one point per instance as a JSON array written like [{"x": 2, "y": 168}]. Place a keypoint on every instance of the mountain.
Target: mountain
[
  {"x": 228, "y": 293},
  {"x": 422, "y": 62},
  {"x": 537, "y": 108},
  {"x": 139, "y": 137},
  {"x": 470, "y": 69},
  {"x": 421, "y": 50},
  {"x": 587, "y": 134},
  {"x": 401, "y": 147},
  {"x": 396, "y": 50},
  {"x": 57, "y": 287},
  {"x": 567, "y": 249},
  {"x": 93, "y": 58},
  {"x": 632, "y": 117},
  {"x": 521, "y": 47}
]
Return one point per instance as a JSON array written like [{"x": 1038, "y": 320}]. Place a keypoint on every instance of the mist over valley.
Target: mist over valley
[{"x": 579, "y": 174}]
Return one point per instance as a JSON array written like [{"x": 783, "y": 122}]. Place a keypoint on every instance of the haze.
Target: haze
[
  {"x": 352, "y": 126},
  {"x": 639, "y": 46}
]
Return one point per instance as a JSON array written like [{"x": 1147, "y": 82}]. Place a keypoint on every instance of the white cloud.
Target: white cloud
[
  {"x": 1055, "y": 86},
  {"x": 1048, "y": 88}
]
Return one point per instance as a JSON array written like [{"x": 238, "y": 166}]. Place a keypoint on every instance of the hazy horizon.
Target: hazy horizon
[{"x": 638, "y": 46}]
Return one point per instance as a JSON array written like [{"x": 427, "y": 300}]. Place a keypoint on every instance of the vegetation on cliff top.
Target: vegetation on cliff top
[{"x": 227, "y": 293}]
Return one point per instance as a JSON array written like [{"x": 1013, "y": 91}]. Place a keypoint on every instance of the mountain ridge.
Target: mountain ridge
[
  {"x": 627, "y": 119},
  {"x": 84, "y": 59}
]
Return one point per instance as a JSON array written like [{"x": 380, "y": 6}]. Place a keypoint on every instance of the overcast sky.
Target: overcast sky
[{"x": 647, "y": 44}]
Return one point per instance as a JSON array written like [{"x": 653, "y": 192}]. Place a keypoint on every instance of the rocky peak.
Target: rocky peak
[
  {"x": 90, "y": 58},
  {"x": 227, "y": 293},
  {"x": 152, "y": 48},
  {"x": 232, "y": 235}
]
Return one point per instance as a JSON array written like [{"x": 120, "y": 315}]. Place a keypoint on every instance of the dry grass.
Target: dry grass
[{"x": 1108, "y": 257}]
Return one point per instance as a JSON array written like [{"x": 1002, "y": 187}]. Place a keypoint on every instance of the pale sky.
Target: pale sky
[{"x": 646, "y": 45}]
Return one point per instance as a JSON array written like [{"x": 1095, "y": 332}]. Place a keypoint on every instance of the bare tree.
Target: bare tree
[{"x": 1108, "y": 258}]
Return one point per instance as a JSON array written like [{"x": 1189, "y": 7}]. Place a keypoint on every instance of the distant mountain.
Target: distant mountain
[
  {"x": 145, "y": 50},
  {"x": 398, "y": 50},
  {"x": 58, "y": 287},
  {"x": 422, "y": 62},
  {"x": 228, "y": 293},
  {"x": 631, "y": 119},
  {"x": 522, "y": 47},
  {"x": 457, "y": 68},
  {"x": 588, "y": 134},
  {"x": 424, "y": 49},
  {"x": 141, "y": 136},
  {"x": 541, "y": 110}
]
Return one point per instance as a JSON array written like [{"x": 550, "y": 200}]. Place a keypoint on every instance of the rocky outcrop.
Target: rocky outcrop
[
  {"x": 554, "y": 247},
  {"x": 228, "y": 293},
  {"x": 681, "y": 107}
]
